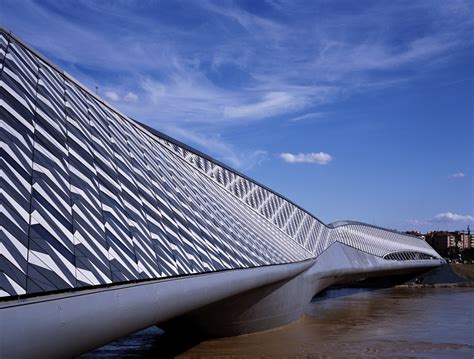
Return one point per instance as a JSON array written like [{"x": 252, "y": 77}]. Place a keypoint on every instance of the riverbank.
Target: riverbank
[
  {"x": 437, "y": 285},
  {"x": 447, "y": 276},
  {"x": 464, "y": 270}
]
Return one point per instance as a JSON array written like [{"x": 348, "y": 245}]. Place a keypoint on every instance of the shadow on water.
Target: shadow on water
[
  {"x": 178, "y": 337},
  {"x": 364, "y": 285},
  {"x": 337, "y": 292},
  {"x": 167, "y": 341}
]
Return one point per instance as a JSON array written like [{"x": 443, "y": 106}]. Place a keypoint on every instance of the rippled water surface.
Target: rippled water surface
[{"x": 340, "y": 323}]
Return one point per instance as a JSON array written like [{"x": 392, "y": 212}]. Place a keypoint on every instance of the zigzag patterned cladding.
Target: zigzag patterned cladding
[
  {"x": 283, "y": 214},
  {"x": 363, "y": 237},
  {"x": 3, "y": 48},
  {"x": 296, "y": 223},
  {"x": 89, "y": 197},
  {"x": 17, "y": 108}
]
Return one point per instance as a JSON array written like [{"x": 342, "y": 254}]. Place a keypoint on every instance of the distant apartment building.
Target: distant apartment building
[
  {"x": 449, "y": 244},
  {"x": 441, "y": 241},
  {"x": 465, "y": 239}
]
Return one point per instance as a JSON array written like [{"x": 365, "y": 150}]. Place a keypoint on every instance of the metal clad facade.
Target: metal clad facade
[{"x": 89, "y": 197}]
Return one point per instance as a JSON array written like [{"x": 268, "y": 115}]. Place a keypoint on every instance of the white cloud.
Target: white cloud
[
  {"x": 221, "y": 150},
  {"x": 447, "y": 220},
  {"x": 308, "y": 116},
  {"x": 457, "y": 175},
  {"x": 177, "y": 75},
  {"x": 112, "y": 95},
  {"x": 320, "y": 158},
  {"x": 271, "y": 104},
  {"x": 282, "y": 67},
  {"x": 188, "y": 96},
  {"x": 452, "y": 217},
  {"x": 130, "y": 97},
  {"x": 115, "y": 96}
]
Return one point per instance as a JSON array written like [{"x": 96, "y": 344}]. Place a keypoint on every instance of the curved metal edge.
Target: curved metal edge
[{"x": 69, "y": 324}]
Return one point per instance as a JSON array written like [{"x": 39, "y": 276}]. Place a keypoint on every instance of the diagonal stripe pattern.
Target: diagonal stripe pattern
[{"x": 90, "y": 197}]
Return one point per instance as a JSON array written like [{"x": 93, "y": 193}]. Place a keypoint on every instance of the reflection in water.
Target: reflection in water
[{"x": 340, "y": 323}]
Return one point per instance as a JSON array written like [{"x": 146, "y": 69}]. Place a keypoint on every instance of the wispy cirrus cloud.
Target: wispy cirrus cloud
[
  {"x": 270, "y": 104},
  {"x": 457, "y": 175},
  {"x": 309, "y": 116},
  {"x": 219, "y": 64},
  {"x": 320, "y": 158},
  {"x": 112, "y": 96},
  {"x": 241, "y": 159},
  {"x": 128, "y": 97}
]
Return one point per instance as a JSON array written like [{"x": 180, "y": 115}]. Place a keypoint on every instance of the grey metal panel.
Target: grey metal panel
[
  {"x": 91, "y": 247},
  {"x": 17, "y": 104},
  {"x": 51, "y": 256},
  {"x": 4, "y": 40}
]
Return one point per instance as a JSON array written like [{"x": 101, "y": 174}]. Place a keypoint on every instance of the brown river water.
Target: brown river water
[{"x": 339, "y": 323}]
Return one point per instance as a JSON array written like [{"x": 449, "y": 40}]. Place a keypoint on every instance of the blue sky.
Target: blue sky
[{"x": 353, "y": 109}]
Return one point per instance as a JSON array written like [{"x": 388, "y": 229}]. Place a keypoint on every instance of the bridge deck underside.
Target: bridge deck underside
[{"x": 223, "y": 303}]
